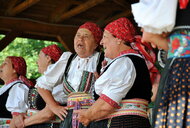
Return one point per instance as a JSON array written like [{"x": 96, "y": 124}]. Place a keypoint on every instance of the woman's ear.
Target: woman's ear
[
  {"x": 48, "y": 58},
  {"x": 119, "y": 41},
  {"x": 14, "y": 70}
]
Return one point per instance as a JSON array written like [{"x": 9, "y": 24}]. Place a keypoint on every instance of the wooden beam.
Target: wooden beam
[
  {"x": 74, "y": 2},
  {"x": 126, "y": 13},
  {"x": 61, "y": 40},
  {"x": 62, "y": 8},
  {"x": 8, "y": 39},
  {"x": 122, "y": 3},
  {"x": 27, "y": 25},
  {"x": 79, "y": 9},
  {"x": 10, "y": 5},
  {"x": 21, "y": 7},
  {"x": 39, "y": 28},
  {"x": 102, "y": 19},
  {"x": 59, "y": 10}
]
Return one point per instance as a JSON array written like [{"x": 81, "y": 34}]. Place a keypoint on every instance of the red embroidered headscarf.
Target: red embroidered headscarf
[
  {"x": 123, "y": 29},
  {"x": 19, "y": 64},
  {"x": 53, "y": 51},
  {"x": 95, "y": 29}
]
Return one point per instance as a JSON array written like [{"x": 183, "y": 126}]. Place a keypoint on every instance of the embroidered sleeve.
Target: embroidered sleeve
[
  {"x": 109, "y": 101},
  {"x": 117, "y": 80}
]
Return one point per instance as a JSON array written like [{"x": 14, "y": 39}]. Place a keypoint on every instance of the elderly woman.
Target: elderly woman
[
  {"x": 75, "y": 73},
  {"x": 124, "y": 87},
  {"x": 39, "y": 113},
  {"x": 14, "y": 94},
  {"x": 172, "y": 103}
]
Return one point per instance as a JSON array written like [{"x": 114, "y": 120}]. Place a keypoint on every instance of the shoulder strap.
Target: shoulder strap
[
  {"x": 69, "y": 62},
  {"x": 115, "y": 60},
  {"x": 99, "y": 63},
  {"x": 14, "y": 84}
]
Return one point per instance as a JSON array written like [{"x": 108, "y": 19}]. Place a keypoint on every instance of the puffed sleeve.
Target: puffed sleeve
[
  {"x": 116, "y": 81},
  {"x": 17, "y": 100},
  {"x": 155, "y": 16},
  {"x": 53, "y": 76}
]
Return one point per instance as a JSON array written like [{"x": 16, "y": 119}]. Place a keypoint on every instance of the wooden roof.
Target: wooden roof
[{"x": 56, "y": 20}]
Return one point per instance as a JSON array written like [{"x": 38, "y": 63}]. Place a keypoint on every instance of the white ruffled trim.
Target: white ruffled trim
[
  {"x": 43, "y": 87},
  {"x": 155, "y": 30},
  {"x": 40, "y": 84},
  {"x": 155, "y": 16}
]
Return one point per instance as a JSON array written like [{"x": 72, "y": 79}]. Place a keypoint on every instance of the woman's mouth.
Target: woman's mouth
[{"x": 80, "y": 46}]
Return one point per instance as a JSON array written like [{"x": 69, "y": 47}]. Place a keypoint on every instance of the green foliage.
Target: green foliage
[{"x": 29, "y": 49}]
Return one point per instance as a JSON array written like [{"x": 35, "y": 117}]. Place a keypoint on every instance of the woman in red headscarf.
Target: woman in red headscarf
[
  {"x": 75, "y": 73},
  {"x": 124, "y": 87},
  {"x": 14, "y": 94},
  {"x": 156, "y": 18},
  {"x": 39, "y": 114}
]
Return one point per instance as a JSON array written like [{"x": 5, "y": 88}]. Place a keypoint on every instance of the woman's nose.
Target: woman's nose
[
  {"x": 101, "y": 42},
  {"x": 1, "y": 66},
  {"x": 81, "y": 38},
  {"x": 37, "y": 61}
]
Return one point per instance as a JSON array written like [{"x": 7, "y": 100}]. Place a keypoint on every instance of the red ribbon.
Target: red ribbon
[{"x": 183, "y": 4}]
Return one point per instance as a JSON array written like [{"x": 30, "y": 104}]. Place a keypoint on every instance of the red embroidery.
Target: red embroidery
[
  {"x": 109, "y": 101},
  {"x": 128, "y": 51},
  {"x": 183, "y": 4},
  {"x": 122, "y": 28},
  {"x": 12, "y": 81},
  {"x": 53, "y": 51},
  {"x": 95, "y": 30},
  {"x": 19, "y": 64},
  {"x": 16, "y": 113}
]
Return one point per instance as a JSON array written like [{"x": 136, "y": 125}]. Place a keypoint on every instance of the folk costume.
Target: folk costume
[
  {"x": 35, "y": 100},
  {"x": 125, "y": 82},
  {"x": 76, "y": 75},
  {"x": 14, "y": 95},
  {"x": 172, "y": 103}
]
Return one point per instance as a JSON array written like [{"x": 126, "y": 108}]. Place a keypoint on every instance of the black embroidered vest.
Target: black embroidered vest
[
  {"x": 87, "y": 78},
  {"x": 4, "y": 113},
  {"x": 142, "y": 86}
]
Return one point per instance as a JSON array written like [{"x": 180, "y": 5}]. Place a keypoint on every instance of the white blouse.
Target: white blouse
[
  {"x": 53, "y": 77},
  {"x": 57, "y": 91},
  {"x": 117, "y": 80},
  {"x": 17, "y": 100},
  {"x": 155, "y": 16}
]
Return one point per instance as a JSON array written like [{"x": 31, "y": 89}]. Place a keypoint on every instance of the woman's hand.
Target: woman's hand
[
  {"x": 60, "y": 111},
  {"x": 82, "y": 116},
  {"x": 12, "y": 124},
  {"x": 17, "y": 121},
  {"x": 96, "y": 75}
]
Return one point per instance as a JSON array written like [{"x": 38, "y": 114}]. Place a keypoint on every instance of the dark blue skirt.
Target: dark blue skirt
[
  {"x": 129, "y": 121},
  {"x": 45, "y": 125},
  {"x": 172, "y": 106},
  {"x": 67, "y": 123}
]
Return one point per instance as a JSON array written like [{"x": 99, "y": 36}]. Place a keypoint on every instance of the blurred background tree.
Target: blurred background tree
[{"x": 29, "y": 49}]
